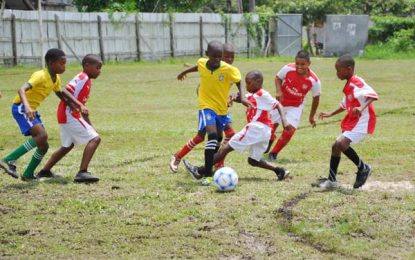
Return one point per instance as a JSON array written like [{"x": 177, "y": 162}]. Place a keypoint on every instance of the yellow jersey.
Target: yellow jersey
[
  {"x": 215, "y": 85},
  {"x": 42, "y": 85}
]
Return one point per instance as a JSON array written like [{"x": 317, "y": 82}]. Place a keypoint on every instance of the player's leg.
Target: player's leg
[
  {"x": 53, "y": 160},
  {"x": 229, "y": 132},
  {"x": 221, "y": 154},
  {"x": 210, "y": 148},
  {"x": 40, "y": 136},
  {"x": 190, "y": 144},
  {"x": 8, "y": 162},
  {"x": 363, "y": 169},
  {"x": 281, "y": 172},
  {"x": 293, "y": 115}
]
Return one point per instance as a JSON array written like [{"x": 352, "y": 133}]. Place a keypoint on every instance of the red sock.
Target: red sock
[
  {"x": 283, "y": 141},
  {"x": 189, "y": 146},
  {"x": 228, "y": 135}
]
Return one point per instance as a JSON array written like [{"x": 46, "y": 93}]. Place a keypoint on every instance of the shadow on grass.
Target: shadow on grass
[{"x": 22, "y": 185}]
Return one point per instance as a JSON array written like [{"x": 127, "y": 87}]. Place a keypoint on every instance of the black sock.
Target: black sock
[
  {"x": 352, "y": 155},
  {"x": 220, "y": 138},
  {"x": 209, "y": 153},
  {"x": 334, "y": 164}
]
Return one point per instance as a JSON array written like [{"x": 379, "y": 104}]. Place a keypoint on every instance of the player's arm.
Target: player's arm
[
  {"x": 323, "y": 115},
  {"x": 71, "y": 101},
  {"x": 183, "y": 74},
  {"x": 314, "y": 106},
  {"x": 358, "y": 110},
  {"x": 284, "y": 121},
  {"x": 242, "y": 96},
  {"x": 22, "y": 93},
  {"x": 278, "y": 87}
]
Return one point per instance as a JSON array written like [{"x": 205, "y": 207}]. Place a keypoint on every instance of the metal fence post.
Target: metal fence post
[
  {"x": 137, "y": 36},
  {"x": 58, "y": 32},
  {"x": 171, "y": 18},
  {"x": 201, "y": 35}
]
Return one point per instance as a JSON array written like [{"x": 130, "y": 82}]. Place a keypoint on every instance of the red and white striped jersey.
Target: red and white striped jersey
[
  {"x": 295, "y": 87},
  {"x": 356, "y": 92},
  {"x": 79, "y": 87},
  {"x": 262, "y": 103}
]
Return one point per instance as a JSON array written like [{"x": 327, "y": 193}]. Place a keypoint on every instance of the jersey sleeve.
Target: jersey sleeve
[
  {"x": 36, "y": 79},
  {"x": 316, "y": 88},
  {"x": 266, "y": 102},
  {"x": 234, "y": 74},
  {"x": 283, "y": 72},
  {"x": 364, "y": 92}
]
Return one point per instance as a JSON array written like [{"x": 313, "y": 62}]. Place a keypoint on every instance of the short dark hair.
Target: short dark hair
[
  {"x": 53, "y": 55},
  {"x": 228, "y": 47},
  {"x": 255, "y": 75},
  {"x": 302, "y": 54},
  {"x": 91, "y": 59},
  {"x": 346, "y": 60},
  {"x": 214, "y": 45}
]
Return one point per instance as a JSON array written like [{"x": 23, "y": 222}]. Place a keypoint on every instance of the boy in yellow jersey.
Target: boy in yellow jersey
[
  {"x": 215, "y": 79},
  {"x": 24, "y": 111}
]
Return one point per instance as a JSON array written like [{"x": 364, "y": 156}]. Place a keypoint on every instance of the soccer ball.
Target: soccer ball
[{"x": 225, "y": 179}]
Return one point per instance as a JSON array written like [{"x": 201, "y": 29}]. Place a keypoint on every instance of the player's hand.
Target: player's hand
[
  {"x": 278, "y": 97},
  {"x": 312, "y": 121},
  {"x": 357, "y": 110},
  {"x": 84, "y": 110},
  {"x": 323, "y": 115},
  {"x": 230, "y": 100},
  {"x": 30, "y": 113},
  {"x": 287, "y": 127},
  {"x": 181, "y": 76}
]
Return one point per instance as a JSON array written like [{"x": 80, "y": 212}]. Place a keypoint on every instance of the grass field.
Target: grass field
[{"x": 141, "y": 210}]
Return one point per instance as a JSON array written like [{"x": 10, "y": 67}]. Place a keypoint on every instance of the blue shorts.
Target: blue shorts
[
  {"x": 209, "y": 117},
  {"x": 24, "y": 123}
]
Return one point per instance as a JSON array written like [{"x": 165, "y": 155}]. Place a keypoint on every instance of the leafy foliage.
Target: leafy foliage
[{"x": 386, "y": 26}]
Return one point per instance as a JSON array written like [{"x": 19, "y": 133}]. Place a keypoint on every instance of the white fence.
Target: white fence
[{"x": 119, "y": 36}]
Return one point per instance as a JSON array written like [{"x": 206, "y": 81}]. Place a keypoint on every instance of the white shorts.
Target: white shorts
[
  {"x": 255, "y": 136},
  {"x": 76, "y": 131},
  {"x": 353, "y": 136},
  {"x": 293, "y": 115}
]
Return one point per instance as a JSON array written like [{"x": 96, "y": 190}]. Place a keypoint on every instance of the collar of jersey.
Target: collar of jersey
[{"x": 207, "y": 66}]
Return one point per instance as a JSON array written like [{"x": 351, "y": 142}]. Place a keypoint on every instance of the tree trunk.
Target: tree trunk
[
  {"x": 240, "y": 6},
  {"x": 308, "y": 28},
  {"x": 252, "y": 6},
  {"x": 229, "y": 6}
]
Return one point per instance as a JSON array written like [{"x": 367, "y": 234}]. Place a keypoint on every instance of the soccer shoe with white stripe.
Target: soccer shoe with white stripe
[
  {"x": 174, "y": 163},
  {"x": 192, "y": 170},
  {"x": 281, "y": 173},
  {"x": 325, "y": 183},
  {"x": 10, "y": 168},
  {"x": 361, "y": 176}
]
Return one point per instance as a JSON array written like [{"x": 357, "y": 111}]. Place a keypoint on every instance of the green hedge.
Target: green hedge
[{"x": 386, "y": 26}]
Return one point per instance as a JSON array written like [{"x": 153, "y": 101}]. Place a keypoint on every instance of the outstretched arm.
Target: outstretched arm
[
  {"x": 278, "y": 86},
  {"x": 323, "y": 115},
  {"x": 22, "y": 93},
  {"x": 182, "y": 75},
  {"x": 72, "y": 102},
  {"x": 242, "y": 96},
  {"x": 358, "y": 110},
  {"x": 314, "y": 106}
]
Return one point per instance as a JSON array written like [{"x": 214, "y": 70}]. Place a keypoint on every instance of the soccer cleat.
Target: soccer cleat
[
  {"x": 28, "y": 178},
  {"x": 85, "y": 177},
  {"x": 193, "y": 170},
  {"x": 9, "y": 167},
  {"x": 325, "y": 183},
  {"x": 46, "y": 174},
  {"x": 174, "y": 163},
  {"x": 207, "y": 181},
  {"x": 361, "y": 176},
  {"x": 272, "y": 157},
  {"x": 281, "y": 172}
]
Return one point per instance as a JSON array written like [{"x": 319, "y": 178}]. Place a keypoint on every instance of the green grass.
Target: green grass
[{"x": 140, "y": 210}]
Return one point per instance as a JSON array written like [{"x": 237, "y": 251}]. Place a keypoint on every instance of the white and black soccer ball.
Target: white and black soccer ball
[{"x": 225, "y": 179}]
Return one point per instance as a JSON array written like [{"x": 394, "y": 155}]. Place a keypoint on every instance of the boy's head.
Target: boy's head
[
  {"x": 345, "y": 67},
  {"x": 302, "y": 62},
  {"x": 92, "y": 65},
  {"x": 228, "y": 53},
  {"x": 214, "y": 52},
  {"x": 55, "y": 60},
  {"x": 253, "y": 81}
]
